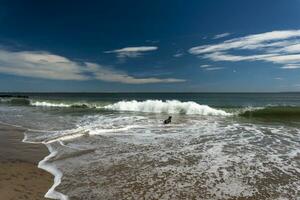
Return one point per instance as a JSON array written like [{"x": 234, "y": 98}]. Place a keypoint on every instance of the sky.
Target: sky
[{"x": 150, "y": 46}]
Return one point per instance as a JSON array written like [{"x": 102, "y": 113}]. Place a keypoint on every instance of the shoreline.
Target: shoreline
[{"x": 20, "y": 176}]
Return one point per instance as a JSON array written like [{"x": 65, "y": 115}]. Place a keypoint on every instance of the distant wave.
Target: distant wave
[
  {"x": 26, "y": 102},
  {"x": 273, "y": 112},
  {"x": 15, "y": 101},
  {"x": 172, "y": 107}
]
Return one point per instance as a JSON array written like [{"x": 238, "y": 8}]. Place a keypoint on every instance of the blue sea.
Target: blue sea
[{"x": 115, "y": 146}]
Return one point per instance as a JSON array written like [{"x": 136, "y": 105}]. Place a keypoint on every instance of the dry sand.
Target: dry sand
[{"x": 19, "y": 176}]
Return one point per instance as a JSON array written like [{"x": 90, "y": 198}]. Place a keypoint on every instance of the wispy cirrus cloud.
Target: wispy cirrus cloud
[
  {"x": 213, "y": 68},
  {"x": 210, "y": 68},
  {"x": 279, "y": 47},
  {"x": 222, "y": 35},
  {"x": 177, "y": 55},
  {"x": 278, "y": 78},
  {"x": 110, "y": 75},
  {"x": 205, "y": 66},
  {"x": 291, "y": 66},
  {"x": 45, "y": 65},
  {"x": 132, "y": 52}
]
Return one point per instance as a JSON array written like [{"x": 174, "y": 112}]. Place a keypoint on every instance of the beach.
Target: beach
[
  {"x": 115, "y": 146},
  {"x": 20, "y": 178}
]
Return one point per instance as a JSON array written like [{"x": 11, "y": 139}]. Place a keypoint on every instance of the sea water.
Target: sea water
[{"x": 115, "y": 146}]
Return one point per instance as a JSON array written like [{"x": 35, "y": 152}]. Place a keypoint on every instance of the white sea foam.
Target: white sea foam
[
  {"x": 149, "y": 106},
  {"x": 170, "y": 106},
  {"x": 103, "y": 131},
  {"x": 65, "y": 137},
  {"x": 43, "y": 164},
  {"x": 51, "y": 168}
]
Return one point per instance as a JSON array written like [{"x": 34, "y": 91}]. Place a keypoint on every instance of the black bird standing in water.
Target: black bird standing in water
[{"x": 168, "y": 121}]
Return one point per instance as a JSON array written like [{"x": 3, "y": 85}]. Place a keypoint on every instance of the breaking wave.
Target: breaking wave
[
  {"x": 62, "y": 105},
  {"x": 48, "y": 104},
  {"x": 148, "y": 106},
  {"x": 171, "y": 106}
]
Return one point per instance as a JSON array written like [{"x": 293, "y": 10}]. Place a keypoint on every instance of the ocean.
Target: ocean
[{"x": 115, "y": 145}]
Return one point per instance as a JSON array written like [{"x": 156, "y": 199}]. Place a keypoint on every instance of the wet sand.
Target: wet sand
[{"x": 20, "y": 178}]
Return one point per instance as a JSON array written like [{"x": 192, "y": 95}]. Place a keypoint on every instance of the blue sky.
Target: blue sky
[{"x": 150, "y": 46}]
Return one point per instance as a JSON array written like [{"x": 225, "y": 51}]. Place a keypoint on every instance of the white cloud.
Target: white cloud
[
  {"x": 109, "y": 75},
  {"x": 284, "y": 59},
  {"x": 132, "y": 52},
  {"x": 213, "y": 68},
  {"x": 205, "y": 66},
  {"x": 177, "y": 55},
  {"x": 291, "y": 66},
  {"x": 40, "y": 65},
  {"x": 222, "y": 35},
  {"x": 220, "y": 56},
  {"x": 210, "y": 67},
  {"x": 291, "y": 48},
  {"x": 50, "y": 66},
  {"x": 278, "y": 78},
  {"x": 247, "y": 42},
  {"x": 279, "y": 47}
]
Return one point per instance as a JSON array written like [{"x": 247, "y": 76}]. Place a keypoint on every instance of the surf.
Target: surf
[
  {"x": 146, "y": 106},
  {"x": 169, "y": 106}
]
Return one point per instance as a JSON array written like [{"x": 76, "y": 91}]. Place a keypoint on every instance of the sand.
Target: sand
[{"x": 19, "y": 176}]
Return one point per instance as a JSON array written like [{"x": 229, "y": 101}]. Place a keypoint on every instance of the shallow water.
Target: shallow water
[{"x": 114, "y": 146}]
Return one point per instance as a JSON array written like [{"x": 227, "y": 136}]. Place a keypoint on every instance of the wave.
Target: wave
[
  {"x": 171, "y": 106},
  {"x": 273, "y": 112},
  {"x": 149, "y": 106},
  {"x": 26, "y": 102},
  {"x": 48, "y": 104},
  {"x": 15, "y": 101},
  {"x": 60, "y": 105}
]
